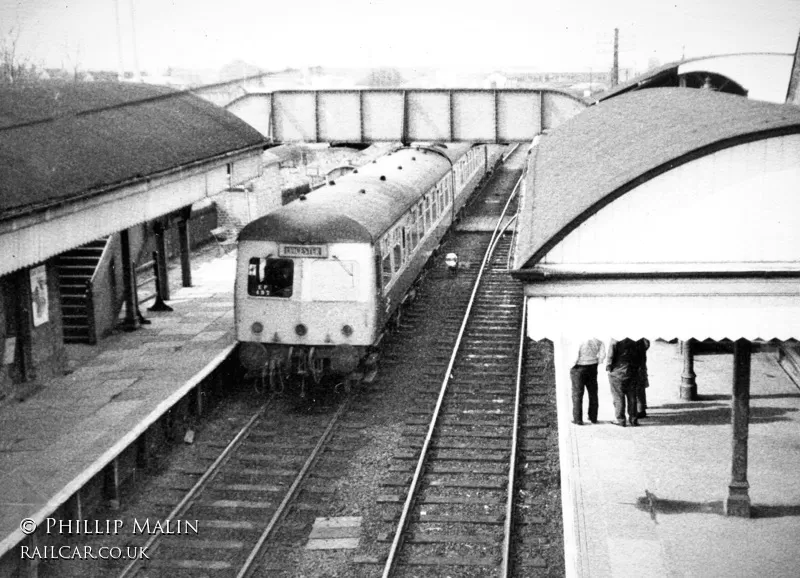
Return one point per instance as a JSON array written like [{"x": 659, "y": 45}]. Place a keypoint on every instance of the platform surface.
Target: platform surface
[
  {"x": 59, "y": 437},
  {"x": 649, "y": 500}
]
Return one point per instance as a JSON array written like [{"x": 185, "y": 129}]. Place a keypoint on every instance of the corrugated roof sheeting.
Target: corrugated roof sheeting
[
  {"x": 600, "y": 154},
  {"x": 87, "y": 136}
]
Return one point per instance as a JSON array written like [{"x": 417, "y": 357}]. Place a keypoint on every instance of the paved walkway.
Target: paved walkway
[
  {"x": 52, "y": 443},
  {"x": 649, "y": 501}
]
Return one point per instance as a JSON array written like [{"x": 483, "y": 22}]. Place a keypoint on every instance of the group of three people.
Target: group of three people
[{"x": 627, "y": 374}]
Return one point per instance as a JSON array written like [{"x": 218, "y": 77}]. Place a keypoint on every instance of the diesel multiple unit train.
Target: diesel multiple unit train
[{"x": 319, "y": 279}]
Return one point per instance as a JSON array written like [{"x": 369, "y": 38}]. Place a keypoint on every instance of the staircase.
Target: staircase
[{"x": 75, "y": 270}]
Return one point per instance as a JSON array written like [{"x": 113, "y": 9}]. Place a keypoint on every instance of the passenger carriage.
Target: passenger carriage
[{"x": 318, "y": 279}]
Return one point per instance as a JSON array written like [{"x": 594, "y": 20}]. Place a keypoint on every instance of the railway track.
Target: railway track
[
  {"x": 237, "y": 504},
  {"x": 255, "y": 502},
  {"x": 467, "y": 465}
]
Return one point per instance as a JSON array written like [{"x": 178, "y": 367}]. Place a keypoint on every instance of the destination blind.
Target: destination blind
[{"x": 312, "y": 251}]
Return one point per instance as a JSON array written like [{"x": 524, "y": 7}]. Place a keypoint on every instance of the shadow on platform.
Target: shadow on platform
[
  {"x": 654, "y": 505},
  {"x": 713, "y": 414}
]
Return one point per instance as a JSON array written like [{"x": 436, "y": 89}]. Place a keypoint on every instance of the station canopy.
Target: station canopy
[{"x": 670, "y": 213}]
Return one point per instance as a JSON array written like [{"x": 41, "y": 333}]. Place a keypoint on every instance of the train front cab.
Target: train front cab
[{"x": 307, "y": 308}]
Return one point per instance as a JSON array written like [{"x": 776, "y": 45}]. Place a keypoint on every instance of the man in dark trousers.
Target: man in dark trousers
[
  {"x": 584, "y": 376},
  {"x": 624, "y": 374},
  {"x": 644, "y": 381}
]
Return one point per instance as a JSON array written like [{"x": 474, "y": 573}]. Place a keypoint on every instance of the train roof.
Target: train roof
[{"x": 359, "y": 207}]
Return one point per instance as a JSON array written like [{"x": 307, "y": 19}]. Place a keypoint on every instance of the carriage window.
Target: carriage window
[
  {"x": 427, "y": 213},
  {"x": 386, "y": 267},
  {"x": 268, "y": 277},
  {"x": 398, "y": 257}
]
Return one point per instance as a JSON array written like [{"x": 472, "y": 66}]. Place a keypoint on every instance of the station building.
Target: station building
[
  {"x": 87, "y": 171},
  {"x": 668, "y": 213}
]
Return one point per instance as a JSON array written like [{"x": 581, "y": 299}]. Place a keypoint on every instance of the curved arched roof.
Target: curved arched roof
[
  {"x": 60, "y": 141},
  {"x": 609, "y": 149},
  {"x": 761, "y": 75}
]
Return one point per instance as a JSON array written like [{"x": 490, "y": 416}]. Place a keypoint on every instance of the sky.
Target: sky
[{"x": 574, "y": 35}]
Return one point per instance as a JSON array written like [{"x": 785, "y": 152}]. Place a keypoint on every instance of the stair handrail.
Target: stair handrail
[
  {"x": 104, "y": 256},
  {"x": 102, "y": 264}
]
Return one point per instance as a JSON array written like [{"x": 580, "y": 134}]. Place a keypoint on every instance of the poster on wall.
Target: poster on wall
[
  {"x": 10, "y": 348},
  {"x": 39, "y": 295}
]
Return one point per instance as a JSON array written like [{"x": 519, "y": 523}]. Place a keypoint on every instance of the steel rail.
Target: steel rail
[
  {"x": 412, "y": 490},
  {"x": 209, "y": 475},
  {"x": 505, "y": 569},
  {"x": 247, "y": 567},
  {"x": 508, "y": 154}
]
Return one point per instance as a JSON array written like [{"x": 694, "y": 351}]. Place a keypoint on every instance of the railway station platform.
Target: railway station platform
[
  {"x": 70, "y": 428},
  {"x": 649, "y": 500}
]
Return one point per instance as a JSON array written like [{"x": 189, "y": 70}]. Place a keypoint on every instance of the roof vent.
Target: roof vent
[
  {"x": 355, "y": 171},
  {"x": 399, "y": 168},
  {"x": 413, "y": 158},
  {"x": 383, "y": 177},
  {"x": 302, "y": 197},
  {"x": 363, "y": 191},
  {"x": 331, "y": 182}
]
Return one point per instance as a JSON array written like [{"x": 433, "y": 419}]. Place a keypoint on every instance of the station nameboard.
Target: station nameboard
[{"x": 314, "y": 251}]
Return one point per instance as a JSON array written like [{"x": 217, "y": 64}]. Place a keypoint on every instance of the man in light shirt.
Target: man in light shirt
[{"x": 584, "y": 376}]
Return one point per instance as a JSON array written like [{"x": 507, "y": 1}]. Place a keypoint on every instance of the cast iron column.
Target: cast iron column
[
  {"x": 688, "y": 383},
  {"x": 131, "y": 321},
  {"x": 161, "y": 248},
  {"x": 186, "y": 264},
  {"x": 738, "y": 502}
]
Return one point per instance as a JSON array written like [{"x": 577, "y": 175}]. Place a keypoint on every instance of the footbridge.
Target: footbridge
[{"x": 380, "y": 115}]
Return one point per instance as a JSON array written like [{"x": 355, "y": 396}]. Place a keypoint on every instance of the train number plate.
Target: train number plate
[{"x": 314, "y": 251}]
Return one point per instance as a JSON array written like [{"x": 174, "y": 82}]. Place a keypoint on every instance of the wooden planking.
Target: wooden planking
[{"x": 335, "y": 533}]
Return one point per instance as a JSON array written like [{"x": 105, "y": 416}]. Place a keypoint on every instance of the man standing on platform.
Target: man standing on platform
[
  {"x": 644, "y": 380},
  {"x": 584, "y": 376},
  {"x": 624, "y": 373}
]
